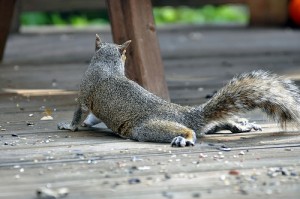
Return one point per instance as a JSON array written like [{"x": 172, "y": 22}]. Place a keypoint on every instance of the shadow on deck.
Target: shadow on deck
[{"x": 41, "y": 73}]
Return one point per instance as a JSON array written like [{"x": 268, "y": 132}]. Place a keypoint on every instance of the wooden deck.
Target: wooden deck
[{"x": 41, "y": 73}]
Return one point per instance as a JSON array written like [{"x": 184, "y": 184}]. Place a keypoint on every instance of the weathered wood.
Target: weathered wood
[
  {"x": 58, "y": 5},
  {"x": 93, "y": 163},
  {"x": 6, "y": 13},
  {"x": 193, "y": 68},
  {"x": 268, "y": 12},
  {"x": 69, "y": 5},
  {"x": 195, "y": 3},
  {"x": 16, "y": 22},
  {"x": 133, "y": 20}
]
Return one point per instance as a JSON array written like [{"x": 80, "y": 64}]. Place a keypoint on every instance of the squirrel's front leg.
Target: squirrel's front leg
[{"x": 78, "y": 117}]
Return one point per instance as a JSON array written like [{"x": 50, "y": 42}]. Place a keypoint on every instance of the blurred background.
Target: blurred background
[
  {"x": 82, "y": 14},
  {"x": 208, "y": 14}
]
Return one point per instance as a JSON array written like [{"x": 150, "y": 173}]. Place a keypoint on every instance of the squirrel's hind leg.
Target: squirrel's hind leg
[
  {"x": 241, "y": 125},
  {"x": 164, "y": 131},
  {"x": 91, "y": 120}
]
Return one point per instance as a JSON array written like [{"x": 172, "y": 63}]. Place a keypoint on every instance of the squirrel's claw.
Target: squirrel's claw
[{"x": 180, "y": 141}]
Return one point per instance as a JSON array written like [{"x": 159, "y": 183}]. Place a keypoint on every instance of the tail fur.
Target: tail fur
[{"x": 279, "y": 98}]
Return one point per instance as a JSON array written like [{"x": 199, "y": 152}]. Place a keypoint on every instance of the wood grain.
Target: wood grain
[
  {"x": 268, "y": 12},
  {"x": 133, "y": 20},
  {"x": 94, "y": 163},
  {"x": 6, "y": 13}
]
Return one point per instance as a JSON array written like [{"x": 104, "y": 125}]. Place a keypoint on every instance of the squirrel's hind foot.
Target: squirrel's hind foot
[
  {"x": 243, "y": 125},
  {"x": 180, "y": 141}
]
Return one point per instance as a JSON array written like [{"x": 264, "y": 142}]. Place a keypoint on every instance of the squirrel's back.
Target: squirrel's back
[{"x": 120, "y": 99}]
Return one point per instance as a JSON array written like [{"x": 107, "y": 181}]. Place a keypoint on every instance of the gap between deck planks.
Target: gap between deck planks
[{"x": 95, "y": 163}]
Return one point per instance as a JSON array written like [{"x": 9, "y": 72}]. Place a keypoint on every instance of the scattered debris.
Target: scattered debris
[
  {"x": 167, "y": 176},
  {"x": 201, "y": 155},
  {"x": 48, "y": 117},
  {"x": 29, "y": 123},
  {"x": 288, "y": 149},
  {"x": 144, "y": 168},
  {"x": 200, "y": 89},
  {"x": 79, "y": 154},
  {"x": 92, "y": 161},
  {"x": 234, "y": 172},
  {"x": 167, "y": 194},
  {"x": 222, "y": 177},
  {"x": 219, "y": 156},
  {"x": 196, "y": 195},
  {"x": 54, "y": 83},
  {"x": 47, "y": 113},
  {"x": 243, "y": 191},
  {"x": 293, "y": 173},
  {"x": 134, "y": 159},
  {"x": 47, "y": 193},
  {"x": 16, "y": 67},
  {"x": 224, "y": 148},
  {"x": 275, "y": 171},
  {"x": 134, "y": 181}
]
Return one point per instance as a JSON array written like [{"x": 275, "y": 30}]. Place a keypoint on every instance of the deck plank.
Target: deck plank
[{"x": 95, "y": 163}]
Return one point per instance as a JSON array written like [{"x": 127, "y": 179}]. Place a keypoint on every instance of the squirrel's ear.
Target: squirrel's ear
[
  {"x": 98, "y": 42},
  {"x": 124, "y": 46}
]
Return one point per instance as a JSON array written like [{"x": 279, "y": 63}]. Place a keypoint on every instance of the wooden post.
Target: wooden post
[
  {"x": 6, "y": 13},
  {"x": 268, "y": 12},
  {"x": 133, "y": 20},
  {"x": 15, "y": 21}
]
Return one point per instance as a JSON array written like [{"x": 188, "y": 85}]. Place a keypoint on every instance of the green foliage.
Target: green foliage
[
  {"x": 205, "y": 15},
  {"x": 34, "y": 18},
  {"x": 79, "y": 21},
  {"x": 60, "y": 19},
  {"x": 57, "y": 19},
  {"x": 163, "y": 15},
  {"x": 231, "y": 14}
]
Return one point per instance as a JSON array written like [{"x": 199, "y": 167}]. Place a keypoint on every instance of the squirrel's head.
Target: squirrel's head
[{"x": 109, "y": 50}]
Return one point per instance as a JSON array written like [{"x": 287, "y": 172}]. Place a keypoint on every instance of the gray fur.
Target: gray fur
[{"x": 132, "y": 112}]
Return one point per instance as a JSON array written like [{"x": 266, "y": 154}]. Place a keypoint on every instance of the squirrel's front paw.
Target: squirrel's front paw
[
  {"x": 66, "y": 126},
  {"x": 180, "y": 141}
]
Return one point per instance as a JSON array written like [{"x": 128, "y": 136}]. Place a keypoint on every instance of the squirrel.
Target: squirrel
[{"x": 131, "y": 111}]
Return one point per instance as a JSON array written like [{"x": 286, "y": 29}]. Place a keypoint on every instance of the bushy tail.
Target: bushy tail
[{"x": 276, "y": 96}]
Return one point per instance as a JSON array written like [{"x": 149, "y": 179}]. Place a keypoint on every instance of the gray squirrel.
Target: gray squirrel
[{"x": 132, "y": 112}]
